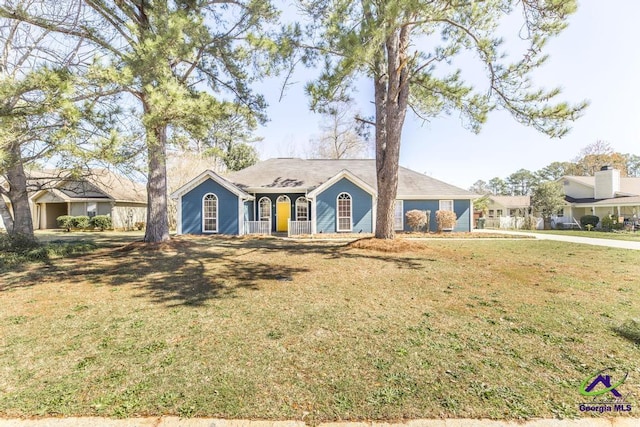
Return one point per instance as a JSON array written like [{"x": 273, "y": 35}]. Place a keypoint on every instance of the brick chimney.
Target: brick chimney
[{"x": 607, "y": 183}]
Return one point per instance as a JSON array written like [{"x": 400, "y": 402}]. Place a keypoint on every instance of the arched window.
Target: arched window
[
  {"x": 210, "y": 213},
  {"x": 302, "y": 209},
  {"x": 343, "y": 208},
  {"x": 264, "y": 209}
]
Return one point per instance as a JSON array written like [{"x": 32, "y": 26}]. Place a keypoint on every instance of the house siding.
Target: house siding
[
  {"x": 576, "y": 190},
  {"x": 462, "y": 208},
  {"x": 227, "y": 209},
  {"x": 120, "y": 215},
  {"x": 78, "y": 209},
  {"x": 273, "y": 197},
  {"x": 104, "y": 208},
  {"x": 362, "y": 206}
]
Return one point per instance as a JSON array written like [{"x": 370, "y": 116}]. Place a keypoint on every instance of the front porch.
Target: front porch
[
  {"x": 293, "y": 228},
  {"x": 626, "y": 214}
]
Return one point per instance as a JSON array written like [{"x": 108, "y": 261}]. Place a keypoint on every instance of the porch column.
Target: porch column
[
  {"x": 240, "y": 216},
  {"x": 255, "y": 207},
  {"x": 43, "y": 216},
  {"x": 178, "y": 216},
  {"x": 314, "y": 225}
]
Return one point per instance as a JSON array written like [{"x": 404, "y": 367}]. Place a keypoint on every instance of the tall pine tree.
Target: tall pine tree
[
  {"x": 405, "y": 48},
  {"x": 172, "y": 58}
]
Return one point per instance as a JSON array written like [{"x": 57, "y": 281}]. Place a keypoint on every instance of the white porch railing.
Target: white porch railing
[
  {"x": 510, "y": 222},
  {"x": 299, "y": 227},
  {"x": 257, "y": 227}
]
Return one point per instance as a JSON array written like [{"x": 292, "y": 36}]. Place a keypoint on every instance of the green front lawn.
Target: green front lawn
[
  {"x": 272, "y": 329},
  {"x": 614, "y": 235}
]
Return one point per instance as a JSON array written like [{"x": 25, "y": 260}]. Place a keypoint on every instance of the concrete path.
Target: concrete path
[
  {"x": 620, "y": 244},
  {"x": 211, "y": 422}
]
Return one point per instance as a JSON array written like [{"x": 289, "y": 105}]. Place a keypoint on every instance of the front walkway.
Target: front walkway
[{"x": 620, "y": 244}]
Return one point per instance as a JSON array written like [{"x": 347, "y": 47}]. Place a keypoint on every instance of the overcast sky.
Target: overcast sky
[{"x": 596, "y": 58}]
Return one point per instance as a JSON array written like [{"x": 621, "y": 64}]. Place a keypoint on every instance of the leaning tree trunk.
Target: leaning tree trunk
[
  {"x": 157, "y": 229},
  {"x": 391, "y": 95},
  {"x": 18, "y": 196}
]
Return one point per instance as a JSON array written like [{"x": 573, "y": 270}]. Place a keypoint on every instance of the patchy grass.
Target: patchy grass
[
  {"x": 101, "y": 238},
  {"x": 613, "y": 235},
  {"x": 395, "y": 245},
  {"x": 273, "y": 329},
  {"x": 461, "y": 235}
]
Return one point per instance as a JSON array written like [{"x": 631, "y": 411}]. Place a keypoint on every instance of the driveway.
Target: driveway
[{"x": 620, "y": 244}]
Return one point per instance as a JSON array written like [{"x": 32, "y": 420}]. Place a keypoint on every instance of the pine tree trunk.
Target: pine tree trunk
[
  {"x": 18, "y": 195},
  {"x": 391, "y": 96},
  {"x": 157, "y": 229}
]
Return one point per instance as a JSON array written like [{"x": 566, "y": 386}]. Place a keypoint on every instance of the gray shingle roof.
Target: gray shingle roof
[
  {"x": 302, "y": 175},
  {"x": 118, "y": 187},
  {"x": 101, "y": 184}
]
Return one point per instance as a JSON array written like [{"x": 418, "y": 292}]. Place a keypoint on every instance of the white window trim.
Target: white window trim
[
  {"x": 350, "y": 213},
  {"x": 260, "y": 209},
  {"x": 217, "y": 213},
  {"x": 398, "y": 203},
  {"x": 440, "y": 205},
  {"x": 302, "y": 200}
]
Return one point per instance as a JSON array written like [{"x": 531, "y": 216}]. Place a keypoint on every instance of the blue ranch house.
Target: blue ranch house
[{"x": 298, "y": 196}]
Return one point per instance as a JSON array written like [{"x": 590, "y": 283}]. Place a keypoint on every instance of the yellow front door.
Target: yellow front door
[{"x": 283, "y": 213}]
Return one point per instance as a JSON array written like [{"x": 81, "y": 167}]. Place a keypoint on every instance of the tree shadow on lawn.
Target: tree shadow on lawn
[
  {"x": 629, "y": 330},
  {"x": 329, "y": 250},
  {"x": 191, "y": 271},
  {"x": 189, "y": 275}
]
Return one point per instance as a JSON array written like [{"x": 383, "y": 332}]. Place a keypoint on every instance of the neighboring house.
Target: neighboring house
[
  {"x": 308, "y": 197},
  {"x": 101, "y": 193},
  {"x": 606, "y": 193},
  {"x": 512, "y": 206},
  {"x": 507, "y": 211}
]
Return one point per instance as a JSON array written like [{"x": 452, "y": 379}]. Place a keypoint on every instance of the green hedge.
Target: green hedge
[
  {"x": 65, "y": 221},
  {"x": 589, "y": 220},
  {"x": 83, "y": 222},
  {"x": 101, "y": 221},
  {"x": 610, "y": 223}
]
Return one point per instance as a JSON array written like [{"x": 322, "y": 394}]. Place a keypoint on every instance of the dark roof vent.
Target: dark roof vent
[{"x": 606, "y": 168}]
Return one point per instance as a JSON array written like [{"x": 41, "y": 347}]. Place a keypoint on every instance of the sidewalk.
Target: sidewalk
[
  {"x": 620, "y": 244},
  {"x": 212, "y": 422}
]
